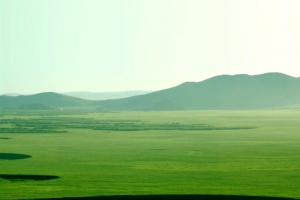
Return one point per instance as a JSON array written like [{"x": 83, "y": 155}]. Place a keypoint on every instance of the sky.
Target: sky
[{"x": 120, "y": 45}]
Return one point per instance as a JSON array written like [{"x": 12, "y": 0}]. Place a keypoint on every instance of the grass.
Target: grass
[
  {"x": 261, "y": 161},
  {"x": 52, "y": 124}
]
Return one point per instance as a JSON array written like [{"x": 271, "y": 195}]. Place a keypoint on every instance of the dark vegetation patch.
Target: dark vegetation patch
[
  {"x": 4, "y": 138},
  {"x": 45, "y": 112},
  {"x": 178, "y": 197},
  {"x": 30, "y": 130},
  {"x": 13, "y": 156},
  {"x": 61, "y": 124},
  {"x": 23, "y": 177},
  {"x": 148, "y": 127}
]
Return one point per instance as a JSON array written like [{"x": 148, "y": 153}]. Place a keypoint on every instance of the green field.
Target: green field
[{"x": 253, "y": 153}]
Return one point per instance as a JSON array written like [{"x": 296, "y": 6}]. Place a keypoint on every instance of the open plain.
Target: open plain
[{"x": 237, "y": 152}]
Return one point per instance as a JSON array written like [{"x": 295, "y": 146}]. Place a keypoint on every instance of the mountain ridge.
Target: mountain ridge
[
  {"x": 220, "y": 92},
  {"x": 239, "y": 91},
  {"x": 49, "y": 98}
]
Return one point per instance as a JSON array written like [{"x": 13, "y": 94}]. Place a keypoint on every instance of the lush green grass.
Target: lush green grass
[{"x": 263, "y": 161}]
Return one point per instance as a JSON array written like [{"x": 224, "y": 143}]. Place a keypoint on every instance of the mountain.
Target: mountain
[
  {"x": 49, "y": 98},
  {"x": 242, "y": 91},
  {"x": 11, "y": 94},
  {"x": 106, "y": 95},
  {"x": 221, "y": 92},
  {"x": 34, "y": 106}
]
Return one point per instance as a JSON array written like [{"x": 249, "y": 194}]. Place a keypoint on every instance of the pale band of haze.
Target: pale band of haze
[{"x": 104, "y": 46}]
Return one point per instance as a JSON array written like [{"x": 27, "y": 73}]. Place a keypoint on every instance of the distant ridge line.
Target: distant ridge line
[{"x": 264, "y": 91}]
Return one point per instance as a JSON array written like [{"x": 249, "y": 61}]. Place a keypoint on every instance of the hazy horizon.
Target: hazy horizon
[
  {"x": 14, "y": 94},
  {"x": 130, "y": 91},
  {"x": 101, "y": 46}
]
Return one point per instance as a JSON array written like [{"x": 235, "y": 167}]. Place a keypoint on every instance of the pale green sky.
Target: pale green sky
[{"x": 115, "y": 45}]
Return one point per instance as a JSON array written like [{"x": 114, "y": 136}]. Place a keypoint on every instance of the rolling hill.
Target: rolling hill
[
  {"x": 11, "y": 94},
  {"x": 34, "y": 106},
  {"x": 49, "y": 98},
  {"x": 268, "y": 90},
  {"x": 221, "y": 92}
]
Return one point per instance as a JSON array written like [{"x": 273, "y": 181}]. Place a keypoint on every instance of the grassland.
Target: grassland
[{"x": 178, "y": 152}]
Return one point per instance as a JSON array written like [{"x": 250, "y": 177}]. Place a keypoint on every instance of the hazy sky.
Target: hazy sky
[{"x": 115, "y": 45}]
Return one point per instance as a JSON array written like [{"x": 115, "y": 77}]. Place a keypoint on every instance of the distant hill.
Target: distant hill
[
  {"x": 221, "y": 92},
  {"x": 33, "y": 106},
  {"x": 268, "y": 90},
  {"x": 49, "y": 98},
  {"x": 11, "y": 94},
  {"x": 105, "y": 95}
]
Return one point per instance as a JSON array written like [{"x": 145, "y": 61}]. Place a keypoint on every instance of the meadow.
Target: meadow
[{"x": 238, "y": 152}]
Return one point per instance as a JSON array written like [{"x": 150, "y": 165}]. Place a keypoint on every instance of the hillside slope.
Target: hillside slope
[
  {"x": 220, "y": 92},
  {"x": 34, "y": 106},
  {"x": 49, "y": 98}
]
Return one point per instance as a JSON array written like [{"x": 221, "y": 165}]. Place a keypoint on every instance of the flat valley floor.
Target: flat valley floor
[{"x": 65, "y": 153}]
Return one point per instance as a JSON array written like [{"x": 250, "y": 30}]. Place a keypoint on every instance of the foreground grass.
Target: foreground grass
[{"x": 259, "y": 162}]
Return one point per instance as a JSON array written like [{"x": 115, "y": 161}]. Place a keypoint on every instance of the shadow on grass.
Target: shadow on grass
[
  {"x": 4, "y": 138},
  {"x": 23, "y": 177},
  {"x": 13, "y": 156},
  {"x": 178, "y": 197}
]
